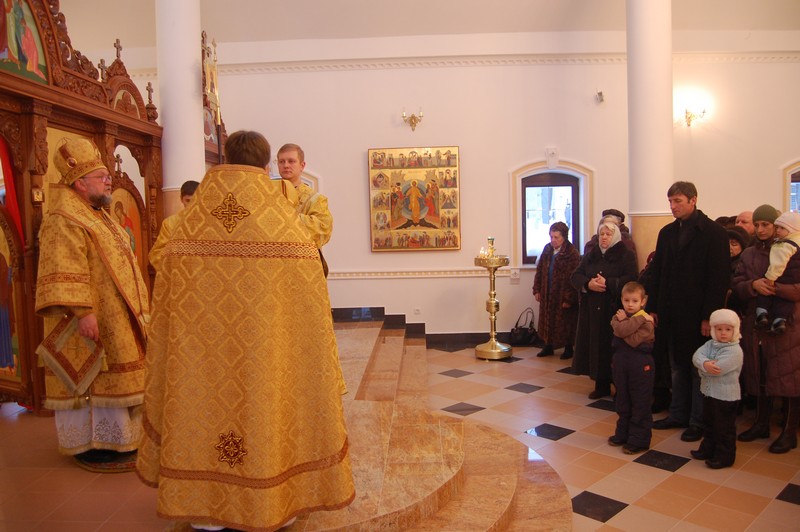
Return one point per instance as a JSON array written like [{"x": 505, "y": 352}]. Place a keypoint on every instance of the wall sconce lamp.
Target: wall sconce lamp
[
  {"x": 691, "y": 117},
  {"x": 412, "y": 120},
  {"x": 691, "y": 104}
]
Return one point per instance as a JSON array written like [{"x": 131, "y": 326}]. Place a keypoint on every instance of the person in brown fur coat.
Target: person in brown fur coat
[{"x": 558, "y": 300}]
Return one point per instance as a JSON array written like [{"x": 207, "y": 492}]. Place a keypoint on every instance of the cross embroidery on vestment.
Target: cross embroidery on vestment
[{"x": 230, "y": 211}]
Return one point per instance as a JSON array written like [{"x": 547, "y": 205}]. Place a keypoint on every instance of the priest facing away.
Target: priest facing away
[{"x": 243, "y": 421}]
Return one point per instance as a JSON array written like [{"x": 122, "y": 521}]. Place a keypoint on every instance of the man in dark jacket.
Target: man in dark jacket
[{"x": 688, "y": 280}]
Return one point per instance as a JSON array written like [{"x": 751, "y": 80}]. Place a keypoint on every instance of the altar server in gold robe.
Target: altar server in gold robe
[
  {"x": 312, "y": 206},
  {"x": 244, "y": 426},
  {"x": 188, "y": 189},
  {"x": 95, "y": 307}
]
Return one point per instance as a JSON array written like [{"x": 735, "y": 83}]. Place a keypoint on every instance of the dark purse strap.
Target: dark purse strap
[{"x": 528, "y": 315}]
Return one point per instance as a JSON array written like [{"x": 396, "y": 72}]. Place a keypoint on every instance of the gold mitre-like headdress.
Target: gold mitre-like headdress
[{"x": 75, "y": 158}]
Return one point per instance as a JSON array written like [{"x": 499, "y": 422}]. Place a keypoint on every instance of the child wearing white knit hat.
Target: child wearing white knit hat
[
  {"x": 784, "y": 267},
  {"x": 719, "y": 362}
]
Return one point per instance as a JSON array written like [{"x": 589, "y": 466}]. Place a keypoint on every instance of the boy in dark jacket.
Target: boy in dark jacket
[{"x": 633, "y": 370}]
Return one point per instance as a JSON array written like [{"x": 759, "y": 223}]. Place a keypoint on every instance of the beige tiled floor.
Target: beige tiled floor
[{"x": 691, "y": 498}]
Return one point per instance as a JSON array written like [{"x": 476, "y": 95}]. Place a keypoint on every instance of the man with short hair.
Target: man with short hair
[
  {"x": 688, "y": 280},
  {"x": 187, "y": 192},
  {"x": 95, "y": 307},
  {"x": 313, "y": 206},
  {"x": 745, "y": 220}
]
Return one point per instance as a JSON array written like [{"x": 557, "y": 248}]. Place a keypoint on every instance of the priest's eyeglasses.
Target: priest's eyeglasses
[{"x": 104, "y": 178}]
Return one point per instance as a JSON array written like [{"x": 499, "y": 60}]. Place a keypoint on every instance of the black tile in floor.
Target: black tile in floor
[
  {"x": 463, "y": 409},
  {"x": 455, "y": 373},
  {"x": 550, "y": 432},
  {"x": 665, "y": 461},
  {"x": 523, "y": 387},
  {"x": 791, "y": 493},
  {"x": 596, "y": 506},
  {"x": 567, "y": 370},
  {"x": 603, "y": 404}
]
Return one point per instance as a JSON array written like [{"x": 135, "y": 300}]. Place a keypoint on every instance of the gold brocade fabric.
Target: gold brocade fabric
[
  {"x": 164, "y": 236},
  {"x": 243, "y": 416},
  {"x": 86, "y": 262},
  {"x": 315, "y": 214}
]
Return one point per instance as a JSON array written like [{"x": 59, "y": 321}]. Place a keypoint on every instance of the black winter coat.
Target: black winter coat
[
  {"x": 593, "y": 339},
  {"x": 688, "y": 279}
]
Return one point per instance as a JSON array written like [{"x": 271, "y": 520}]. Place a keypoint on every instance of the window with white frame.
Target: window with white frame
[{"x": 548, "y": 198}]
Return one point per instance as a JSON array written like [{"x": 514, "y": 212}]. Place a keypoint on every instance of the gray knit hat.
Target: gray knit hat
[{"x": 765, "y": 213}]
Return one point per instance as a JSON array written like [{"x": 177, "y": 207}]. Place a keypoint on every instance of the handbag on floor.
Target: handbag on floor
[{"x": 524, "y": 333}]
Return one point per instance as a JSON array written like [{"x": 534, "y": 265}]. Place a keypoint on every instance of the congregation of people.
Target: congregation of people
[{"x": 709, "y": 326}]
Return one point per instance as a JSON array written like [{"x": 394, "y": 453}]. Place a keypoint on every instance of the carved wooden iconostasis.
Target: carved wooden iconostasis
[{"x": 50, "y": 91}]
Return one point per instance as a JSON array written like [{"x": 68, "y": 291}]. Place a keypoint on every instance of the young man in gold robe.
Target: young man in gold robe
[
  {"x": 188, "y": 189},
  {"x": 312, "y": 206},
  {"x": 95, "y": 307},
  {"x": 244, "y": 426}
]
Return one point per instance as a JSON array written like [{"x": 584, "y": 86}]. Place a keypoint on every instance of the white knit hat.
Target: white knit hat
[
  {"x": 789, "y": 220},
  {"x": 725, "y": 316}
]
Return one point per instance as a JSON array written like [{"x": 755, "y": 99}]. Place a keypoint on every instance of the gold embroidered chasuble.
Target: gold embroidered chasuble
[
  {"x": 163, "y": 237},
  {"x": 86, "y": 265},
  {"x": 314, "y": 212},
  {"x": 244, "y": 424}
]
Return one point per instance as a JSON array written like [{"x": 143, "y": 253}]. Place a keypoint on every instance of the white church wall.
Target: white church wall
[
  {"x": 736, "y": 156},
  {"x": 501, "y": 118}
]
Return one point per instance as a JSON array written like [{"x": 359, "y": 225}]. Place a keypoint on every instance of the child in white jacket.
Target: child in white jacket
[{"x": 719, "y": 362}]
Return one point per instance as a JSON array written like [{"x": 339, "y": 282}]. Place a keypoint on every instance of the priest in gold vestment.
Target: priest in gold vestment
[
  {"x": 95, "y": 307},
  {"x": 244, "y": 426}
]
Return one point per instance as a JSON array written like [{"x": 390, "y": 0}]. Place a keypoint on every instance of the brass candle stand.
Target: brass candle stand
[{"x": 492, "y": 350}]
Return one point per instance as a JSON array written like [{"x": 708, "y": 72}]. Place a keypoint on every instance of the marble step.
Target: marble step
[
  {"x": 506, "y": 486},
  {"x": 407, "y": 462},
  {"x": 503, "y": 486},
  {"x": 420, "y": 470}
]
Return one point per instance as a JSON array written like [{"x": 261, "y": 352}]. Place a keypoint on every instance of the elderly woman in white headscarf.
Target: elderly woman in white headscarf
[{"x": 599, "y": 278}]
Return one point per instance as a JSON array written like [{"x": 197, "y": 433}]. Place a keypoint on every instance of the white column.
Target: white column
[
  {"x": 650, "y": 158},
  {"x": 180, "y": 91}
]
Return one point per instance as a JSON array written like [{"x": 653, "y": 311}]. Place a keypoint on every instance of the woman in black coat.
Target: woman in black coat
[{"x": 599, "y": 278}]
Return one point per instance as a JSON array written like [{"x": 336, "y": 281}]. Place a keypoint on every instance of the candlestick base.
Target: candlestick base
[{"x": 493, "y": 350}]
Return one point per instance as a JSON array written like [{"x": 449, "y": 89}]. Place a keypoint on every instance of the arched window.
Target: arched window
[
  {"x": 548, "y": 198},
  {"x": 794, "y": 192}
]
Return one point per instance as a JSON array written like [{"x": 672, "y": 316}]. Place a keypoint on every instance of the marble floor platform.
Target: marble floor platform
[{"x": 414, "y": 469}]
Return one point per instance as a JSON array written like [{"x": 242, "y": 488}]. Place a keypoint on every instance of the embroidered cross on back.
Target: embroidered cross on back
[{"x": 230, "y": 211}]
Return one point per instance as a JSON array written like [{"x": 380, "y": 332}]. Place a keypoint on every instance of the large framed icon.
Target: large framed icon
[{"x": 414, "y": 198}]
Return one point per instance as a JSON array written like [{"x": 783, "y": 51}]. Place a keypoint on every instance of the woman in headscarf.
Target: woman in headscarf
[
  {"x": 558, "y": 300},
  {"x": 599, "y": 278},
  {"x": 771, "y": 362}
]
